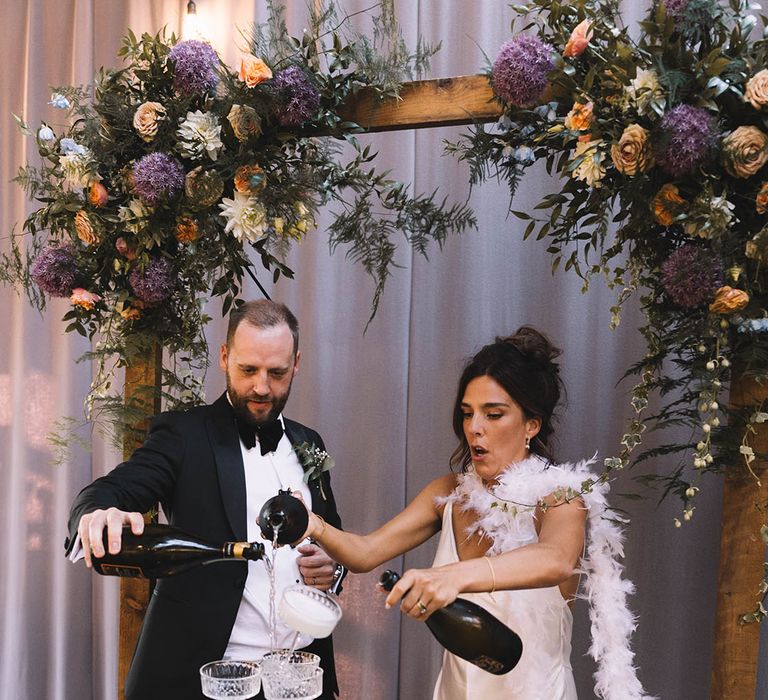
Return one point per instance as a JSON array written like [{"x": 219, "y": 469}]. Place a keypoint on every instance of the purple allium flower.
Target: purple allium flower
[
  {"x": 195, "y": 67},
  {"x": 691, "y": 134},
  {"x": 519, "y": 74},
  {"x": 55, "y": 270},
  {"x": 153, "y": 284},
  {"x": 298, "y": 98},
  {"x": 690, "y": 275},
  {"x": 157, "y": 176},
  {"x": 676, "y": 8}
]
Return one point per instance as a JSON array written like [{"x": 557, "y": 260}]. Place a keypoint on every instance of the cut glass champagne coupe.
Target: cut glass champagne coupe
[
  {"x": 286, "y": 686},
  {"x": 230, "y": 680}
]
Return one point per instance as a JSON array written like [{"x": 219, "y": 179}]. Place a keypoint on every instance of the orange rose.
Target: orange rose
[
  {"x": 250, "y": 179},
  {"x": 83, "y": 298},
  {"x": 745, "y": 151},
  {"x": 84, "y": 229},
  {"x": 580, "y": 117},
  {"x": 667, "y": 204},
  {"x": 761, "y": 199},
  {"x": 756, "y": 91},
  {"x": 130, "y": 313},
  {"x": 632, "y": 154},
  {"x": 187, "y": 230},
  {"x": 728, "y": 299},
  {"x": 98, "y": 195},
  {"x": 579, "y": 40},
  {"x": 253, "y": 71}
]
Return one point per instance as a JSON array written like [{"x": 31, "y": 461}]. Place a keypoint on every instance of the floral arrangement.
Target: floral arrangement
[
  {"x": 172, "y": 168},
  {"x": 314, "y": 461},
  {"x": 661, "y": 145}
]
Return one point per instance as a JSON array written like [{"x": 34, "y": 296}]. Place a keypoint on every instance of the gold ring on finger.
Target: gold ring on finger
[{"x": 422, "y": 607}]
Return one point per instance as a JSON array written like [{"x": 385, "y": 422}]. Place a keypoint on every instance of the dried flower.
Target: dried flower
[
  {"x": 519, "y": 73},
  {"x": 85, "y": 230},
  {"x": 97, "y": 195},
  {"x": 580, "y": 117},
  {"x": 632, "y": 154},
  {"x": 246, "y": 217},
  {"x": 745, "y": 151},
  {"x": 579, "y": 39},
  {"x": 76, "y": 169},
  {"x": 250, "y": 179},
  {"x": 152, "y": 284},
  {"x": 199, "y": 134},
  {"x": 298, "y": 98},
  {"x": 253, "y": 70},
  {"x": 644, "y": 90},
  {"x": 147, "y": 118},
  {"x": 157, "y": 176},
  {"x": 130, "y": 313},
  {"x": 83, "y": 298},
  {"x": 667, "y": 204},
  {"x": 709, "y": 216},
  {"x": 591, "y": 169},
  {"x": 245, "y": 121},
  {"x": 187, "y": 230},
  {"x": 195, "y": 64},
  {"x": 761, "y": 199},
  {"x": 691, "y": 136},
  {"x": 727, "y": 300},
  {"x": 55, "y": 269},
  {"x": 203, "y": 187},
  {"x": 133, "y": 216},
  {"x": 690, "y": 275}
]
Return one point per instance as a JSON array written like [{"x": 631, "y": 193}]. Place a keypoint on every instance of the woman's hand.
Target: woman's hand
[{"x": 422, "y": 591}]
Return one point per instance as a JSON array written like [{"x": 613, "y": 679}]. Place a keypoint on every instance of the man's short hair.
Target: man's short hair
[{"x": 263, "y": 313}]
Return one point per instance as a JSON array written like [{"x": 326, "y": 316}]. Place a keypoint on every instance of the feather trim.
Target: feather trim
[{"x": 508, "y": 519}]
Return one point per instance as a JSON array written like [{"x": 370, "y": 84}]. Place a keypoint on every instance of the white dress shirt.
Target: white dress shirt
[{"x": 264, "y": 476}]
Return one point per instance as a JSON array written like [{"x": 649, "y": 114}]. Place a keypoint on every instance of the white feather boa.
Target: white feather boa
[{"x": 508, "y": 520}]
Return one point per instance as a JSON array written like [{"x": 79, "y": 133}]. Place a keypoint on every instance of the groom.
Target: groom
[{"x": 211, "y": 468}]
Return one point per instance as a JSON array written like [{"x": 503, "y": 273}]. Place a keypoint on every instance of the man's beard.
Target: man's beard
[{"x": 240, "y": 405}]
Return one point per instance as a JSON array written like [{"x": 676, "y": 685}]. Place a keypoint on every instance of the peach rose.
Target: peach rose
[
  {"x": 250, "y": 179},
  {"x": 97, "y": 195},
  {"x": 745, "y": 151},
  {"x": 580, "y": 117},
  {"x": 253, "y": 71},
  {"x": 146, "y": 119},
  {"x": 245, "y": 121},
  {"x": 667, "y": 204},
  {"x": 84, "y": 229},
  {"x": 579, "y": 39},
  {"x": 761, "y": 199},
  {"x": 83, "y": 298},
  {"x": 187, "y": 230},
  {"x": 632, "y": 154},
  {"x": 728, "y": 300},
  {"x": 756, "y": 91}
]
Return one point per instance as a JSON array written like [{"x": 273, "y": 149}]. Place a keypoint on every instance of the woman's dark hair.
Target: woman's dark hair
[{"x": 523, "y": 365}]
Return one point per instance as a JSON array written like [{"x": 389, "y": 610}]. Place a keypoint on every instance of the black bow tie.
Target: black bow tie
[{"x": 269, "y": 434}]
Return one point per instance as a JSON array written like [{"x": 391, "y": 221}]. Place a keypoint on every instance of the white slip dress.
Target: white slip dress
[{"x": 544, "y": 622}]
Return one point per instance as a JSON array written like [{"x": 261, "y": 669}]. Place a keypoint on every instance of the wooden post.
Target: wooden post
[
  {"x": 742, "y": 553},
  {"x": 142, "y": 392}
]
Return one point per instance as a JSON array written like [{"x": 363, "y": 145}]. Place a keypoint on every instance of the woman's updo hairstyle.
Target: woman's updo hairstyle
[{"x": 523, "y": 364}]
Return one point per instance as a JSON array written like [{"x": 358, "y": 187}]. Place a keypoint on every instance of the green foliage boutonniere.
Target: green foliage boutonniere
[{"x": 314, "y": 461}]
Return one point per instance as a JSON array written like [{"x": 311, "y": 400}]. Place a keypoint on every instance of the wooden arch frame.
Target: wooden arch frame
[{"x": 466, "y": 100}]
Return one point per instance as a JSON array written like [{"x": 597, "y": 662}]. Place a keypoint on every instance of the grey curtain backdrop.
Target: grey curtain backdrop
[{"x": 382, "y": 400}]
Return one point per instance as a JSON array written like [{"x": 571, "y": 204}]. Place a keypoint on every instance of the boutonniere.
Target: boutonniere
[{"x": 314, "y": 461}]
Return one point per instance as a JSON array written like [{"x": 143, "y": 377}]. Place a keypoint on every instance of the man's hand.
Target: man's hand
[
  {"x": 315, "y": 566},
  {"x": 91, "y": 530}
]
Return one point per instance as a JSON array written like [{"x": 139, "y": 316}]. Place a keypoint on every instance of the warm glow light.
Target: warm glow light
[{"x": 190, "y": 28}]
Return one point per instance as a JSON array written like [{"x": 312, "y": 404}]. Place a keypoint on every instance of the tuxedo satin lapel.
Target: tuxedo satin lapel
[
  {"x": 297, "y": 434},
  {"x": 225, "y": 443}
]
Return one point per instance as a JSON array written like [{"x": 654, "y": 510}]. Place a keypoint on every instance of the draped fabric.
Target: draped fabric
[{"x": 382, "y": 400}]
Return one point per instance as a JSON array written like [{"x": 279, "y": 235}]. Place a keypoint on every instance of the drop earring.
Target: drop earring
[{"x": 527, "y": 442}]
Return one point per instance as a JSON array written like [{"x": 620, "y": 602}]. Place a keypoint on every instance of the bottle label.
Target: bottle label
[
  {"x": 119, "y": 570},
  {"x": 488, "y": 664}
]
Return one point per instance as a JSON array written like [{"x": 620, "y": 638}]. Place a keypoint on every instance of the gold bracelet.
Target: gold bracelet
[
  {"x": 493, "y": 574},
  {"x": 320, "y": 534}
]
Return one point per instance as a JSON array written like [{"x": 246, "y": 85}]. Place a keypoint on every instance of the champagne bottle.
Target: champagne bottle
[
  {"x": 284, "y": 515},
  {"x": 163, "y": 550},
  {"x": 471, "y": 632}
]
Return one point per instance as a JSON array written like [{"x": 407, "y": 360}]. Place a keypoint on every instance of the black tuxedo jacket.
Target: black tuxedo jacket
[{"x": 191, "y": 463}]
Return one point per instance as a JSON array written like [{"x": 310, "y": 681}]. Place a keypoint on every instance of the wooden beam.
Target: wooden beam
[
  {"x": 465, "y": 99},
  {"x": 143, "y": 378},
  {"x": 742, "y": 553}
]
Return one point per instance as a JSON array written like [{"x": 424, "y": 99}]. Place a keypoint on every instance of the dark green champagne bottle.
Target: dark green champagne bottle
[
  {"x": 163, "y": 550},
  {"x": 285, "y": 515},
  {"x": 471, "y": 632}
]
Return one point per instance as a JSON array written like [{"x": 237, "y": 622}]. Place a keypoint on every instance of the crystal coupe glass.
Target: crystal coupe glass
[{"x": 230, "y": 680}]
